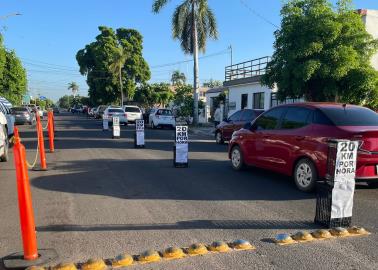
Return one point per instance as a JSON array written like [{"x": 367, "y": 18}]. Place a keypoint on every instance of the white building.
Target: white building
[
  {"x": 244, "y": 88},
  {"x": 370, "y": 18}
]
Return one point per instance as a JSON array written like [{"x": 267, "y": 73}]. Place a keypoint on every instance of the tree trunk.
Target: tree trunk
[
  {"x": 121, "y": 86},
  {"x": 196, "y": 69}
]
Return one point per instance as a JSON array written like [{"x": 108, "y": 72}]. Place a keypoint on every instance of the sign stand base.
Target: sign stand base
[
  {"x": 135, "y": 142},
  {"x": 177, "y": 164}
]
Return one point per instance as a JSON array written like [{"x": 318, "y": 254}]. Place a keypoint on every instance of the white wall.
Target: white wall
[
  {"x": 371, "y": 22},
  {"x": 235, "y": 93}
]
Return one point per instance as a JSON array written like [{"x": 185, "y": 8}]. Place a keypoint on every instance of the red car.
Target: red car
[
  {"x": 236, "y": 121},
  {"x": 292, "y": 140}
]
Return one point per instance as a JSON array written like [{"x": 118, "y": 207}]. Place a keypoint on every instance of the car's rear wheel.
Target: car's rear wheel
[
  {"x": 305, "y": 175},
  {"x": 4, "y": 157},
  {"x": 237, "y": 160},
  {"x": 219, "y": 138}
]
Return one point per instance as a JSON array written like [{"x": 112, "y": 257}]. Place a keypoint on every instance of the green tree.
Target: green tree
[
  {"x": 97, "y": 59},
  {"x": 193, "y": 23},
  {"x": 118, "y": 62},
  {"x": 64, "y": 102},
  {"x": 13, "y": 79},
  {"x": 323, "y": 54},
  {"x": 213, "y": 83},
  {"x": 73, "y": 87},
  {"x": 178, "y": 78}
]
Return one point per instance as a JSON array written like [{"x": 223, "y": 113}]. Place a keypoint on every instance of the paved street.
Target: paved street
[{"x": 101, "y": 197}]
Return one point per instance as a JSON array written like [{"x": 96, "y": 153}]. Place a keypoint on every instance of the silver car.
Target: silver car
[
  {"x": 133, "y": 113},
  {"x": 115, "y": 111}
]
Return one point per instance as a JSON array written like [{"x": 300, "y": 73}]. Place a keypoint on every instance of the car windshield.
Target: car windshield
[
  {"x": 132, "y": 109},
  {"x": 19, "y": 109},
  {"x": 115, "y": 111},
  {"x": 164, "y": 112},
  {"x": 351, "y": 116}
]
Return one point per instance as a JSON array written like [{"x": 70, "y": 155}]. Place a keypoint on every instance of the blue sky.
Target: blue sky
[{"x": 49, "y": 33}]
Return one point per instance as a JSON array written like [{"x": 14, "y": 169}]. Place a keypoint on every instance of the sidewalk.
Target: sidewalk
[{"x": 203, "y": 130}]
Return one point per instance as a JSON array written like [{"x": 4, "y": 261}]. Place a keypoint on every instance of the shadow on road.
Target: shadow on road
[
  {"x": 158, "y": 179},
  {"x": 183, "y": 225}
]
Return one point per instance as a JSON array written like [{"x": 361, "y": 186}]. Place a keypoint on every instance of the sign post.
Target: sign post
[
  {"x": 334, "y": 203},
  {"x": 105, "y": 123},
  {"x": 139, "y": 134},
  {"x": 180, "y": 149},
  {"x": 116, "y": 128}
]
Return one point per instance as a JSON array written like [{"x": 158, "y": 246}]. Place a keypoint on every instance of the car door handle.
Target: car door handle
[
  {"x": 300, "y": 138},
  {"x": 266, "y": 136}
]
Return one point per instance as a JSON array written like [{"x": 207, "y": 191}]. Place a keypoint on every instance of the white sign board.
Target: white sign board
[
  {"x": 116, "y": 128},
  {"x": 105, "y": 123},
  {"x": 139, "y": 128},
  {"x": 181, "y": 144},
  {"x": 344, "y": 181}
]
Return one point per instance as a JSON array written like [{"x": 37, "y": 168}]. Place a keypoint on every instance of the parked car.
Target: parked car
[
  {"x": 56, "y": 109},
  {"x": 292, "y": 139},
  {"x": 162, "y": 118},
  {"x": 23, "y": 115},
  {"x": 133, "y": 113},
  {"x": 236, "y": 121},
  {"x": 146, "y": 115},
  {"x": 100, "y": 111},
  {"x": 4, "y": 141},
  {"x": 5, "y": 106},
  {"x": 115, "y": 111},
  {"x": 92, "y": 111}
]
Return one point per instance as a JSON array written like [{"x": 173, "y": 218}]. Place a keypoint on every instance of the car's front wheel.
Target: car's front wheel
[
  {"x": 237, "y": 160},
  {"x": 219, "y": 138},
  {"x": 305, "y": 175}
]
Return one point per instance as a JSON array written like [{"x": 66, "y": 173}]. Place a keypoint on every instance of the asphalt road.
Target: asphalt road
[{"x": 101, "y": 197}]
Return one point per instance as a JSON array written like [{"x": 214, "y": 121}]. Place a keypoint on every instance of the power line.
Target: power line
[{"x": 258, "y": 14}]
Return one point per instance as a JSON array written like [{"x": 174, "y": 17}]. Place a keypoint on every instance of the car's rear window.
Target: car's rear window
[
  {"x": 19, "y": 109},
  {"x": 351, "y": 116},
  {"x": 164, "y": 112},
  {"x": 115, "y": 111},
  {"x": 132, "y": 109}
]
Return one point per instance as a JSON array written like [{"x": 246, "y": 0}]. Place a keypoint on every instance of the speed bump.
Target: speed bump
[
  {"x": 35, "y": 268},
  {"x": 302, "y": 236},
  {"x": 219, "y": 246},
  {"x": 149, "y": 256},
  {"x": 339, "y": 232},
  {"x": 355, "y": 230},
  {"x": 173, "y": 253},
  {"x": 321, "y": 234},
  {"x": 94, "y": 264},
  {"x": 197, "y": 249},
  {"x": 122, "y": 261},
  {"x": 241, "y": 244},
  {"x": 284, "y": 239},
  {"x": 65, "y": 266}
]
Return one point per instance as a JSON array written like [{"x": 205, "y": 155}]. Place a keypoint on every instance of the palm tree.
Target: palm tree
[
  {"x": 73, "y": 87},
  {"x": 178, "y": 78},
  {"x": 119, "y": 59},
  {"x": 192, "y": 23}
]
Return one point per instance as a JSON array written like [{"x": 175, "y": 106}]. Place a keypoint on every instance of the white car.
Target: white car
[
  {"x": 133, "y": 113},
  {"x": 115, "y": 111},
  {"x": 4, "y": 142},
  {"x": 162, "y": 118},
  {"x": 5, "y": 108}
]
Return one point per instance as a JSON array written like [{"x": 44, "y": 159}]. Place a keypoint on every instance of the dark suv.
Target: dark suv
[{"x": 236, "y": 121}]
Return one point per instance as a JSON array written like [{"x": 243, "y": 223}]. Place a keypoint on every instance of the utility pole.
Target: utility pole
[{"x": 230, "y": 48}]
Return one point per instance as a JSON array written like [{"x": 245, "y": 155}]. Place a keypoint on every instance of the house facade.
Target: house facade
[{"x": 370, "y": 19}]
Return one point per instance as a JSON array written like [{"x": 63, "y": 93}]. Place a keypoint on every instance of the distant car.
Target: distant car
[
  {"x": 23, "y": 115},
  {"x": 133, "y": 113},
  {"x": 146, "y": 115},
  {"x": 92, "y": 111},
  {"x": 111, "y": 111},
  {"x": 100, "y": 111},
  {"x": 293, "y": 140},
  {"x": 236, "y": 121},
  {"x": 56, "y": 109},
  {"x": 162, "y": 118}
]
